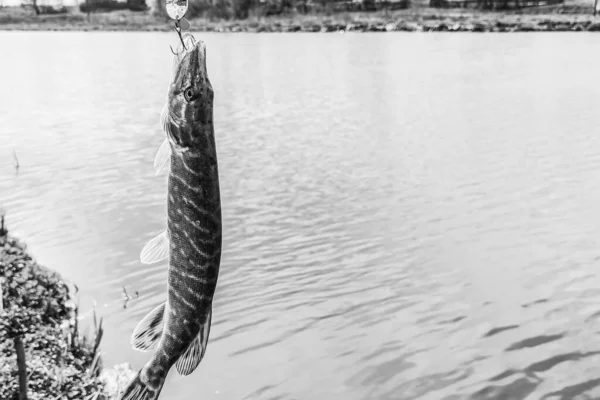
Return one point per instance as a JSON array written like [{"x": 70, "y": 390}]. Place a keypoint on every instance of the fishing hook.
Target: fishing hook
[{"x": 178, "y": 30}]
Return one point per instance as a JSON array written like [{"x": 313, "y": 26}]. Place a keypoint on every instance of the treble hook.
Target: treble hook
[{"x": 178, "y": 30}]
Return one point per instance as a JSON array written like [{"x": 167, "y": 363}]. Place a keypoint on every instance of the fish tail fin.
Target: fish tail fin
[{"x": 138, "y": 390}]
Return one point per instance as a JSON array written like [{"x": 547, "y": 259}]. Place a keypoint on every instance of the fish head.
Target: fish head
[{"x": 190, "y": 98}]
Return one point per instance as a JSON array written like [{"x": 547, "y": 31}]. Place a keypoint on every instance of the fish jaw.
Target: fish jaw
[{"x": 190, "y": 100}]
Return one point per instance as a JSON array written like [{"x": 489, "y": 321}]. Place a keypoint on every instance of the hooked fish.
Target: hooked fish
[{"x": 178, "y": 329}]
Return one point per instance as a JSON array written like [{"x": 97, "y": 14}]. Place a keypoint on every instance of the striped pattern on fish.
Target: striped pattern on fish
[{"x": 178, "y": 330}]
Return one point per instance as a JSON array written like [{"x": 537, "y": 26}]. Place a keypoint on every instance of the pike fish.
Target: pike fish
[{"x": 177, "y": 330}]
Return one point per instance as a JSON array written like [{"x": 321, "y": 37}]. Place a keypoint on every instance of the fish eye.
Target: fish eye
[{"x": 189, "y": 94}]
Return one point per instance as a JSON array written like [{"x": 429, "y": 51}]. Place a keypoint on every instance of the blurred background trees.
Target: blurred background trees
[{"x": 211, "y": 9}]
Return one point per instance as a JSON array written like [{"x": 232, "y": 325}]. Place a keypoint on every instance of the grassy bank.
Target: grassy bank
[
  {"x": 40, "y": 344},
  {"x": 571, "y": 16}
]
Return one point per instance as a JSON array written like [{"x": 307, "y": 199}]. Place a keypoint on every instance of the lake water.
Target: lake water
[{"x": 406, "y": 216}]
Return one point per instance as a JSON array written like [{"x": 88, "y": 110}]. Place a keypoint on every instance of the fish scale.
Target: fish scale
[{"x": 178, "y": 330}]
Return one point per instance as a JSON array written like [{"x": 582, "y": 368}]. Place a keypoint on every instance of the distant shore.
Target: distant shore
[{"x": 560, "y": 18}]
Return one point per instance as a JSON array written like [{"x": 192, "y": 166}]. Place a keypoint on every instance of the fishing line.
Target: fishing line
[{"x": 176, "y": 9}]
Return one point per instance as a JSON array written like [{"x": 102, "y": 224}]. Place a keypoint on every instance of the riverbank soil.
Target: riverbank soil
[{"x": 572, "y": 15}]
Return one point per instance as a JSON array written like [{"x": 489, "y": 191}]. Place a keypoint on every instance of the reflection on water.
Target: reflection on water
[{"x": 405, "y": 216}]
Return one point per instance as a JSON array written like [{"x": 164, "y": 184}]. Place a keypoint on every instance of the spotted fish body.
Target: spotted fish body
[{"x": 178, "y": 330}]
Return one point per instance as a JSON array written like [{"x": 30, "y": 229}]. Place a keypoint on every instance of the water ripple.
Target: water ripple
[{"x": 392, "y": 229}]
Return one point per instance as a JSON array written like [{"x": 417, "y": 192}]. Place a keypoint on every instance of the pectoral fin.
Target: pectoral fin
[
  {"x": 189, "y": 361},
  {"x": 156, "y": 249},
  {"x": 165, "y": 121},
  {"x": 147, "y": 333},
  {"x": 162, "y": 156}
]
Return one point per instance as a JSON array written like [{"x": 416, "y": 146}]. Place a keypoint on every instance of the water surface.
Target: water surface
[{"x": 406, "y": 216}]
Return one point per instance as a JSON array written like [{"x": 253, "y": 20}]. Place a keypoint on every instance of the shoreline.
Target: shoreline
[
  {"x": 41, "y": 346},
  {"x": 571, "y": 18}
]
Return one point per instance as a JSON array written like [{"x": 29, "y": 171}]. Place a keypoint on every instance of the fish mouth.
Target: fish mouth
[
  {"x": 189, "y": 70},
  {"x": 191, "y": 54},
  {"x": 188, "y": 44}
]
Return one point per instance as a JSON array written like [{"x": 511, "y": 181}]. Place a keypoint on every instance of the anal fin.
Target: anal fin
[
  {"x": 149, "y": 330},
  {"x": 156, "y": 249},
  {"x": 189, "y": 360}
]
